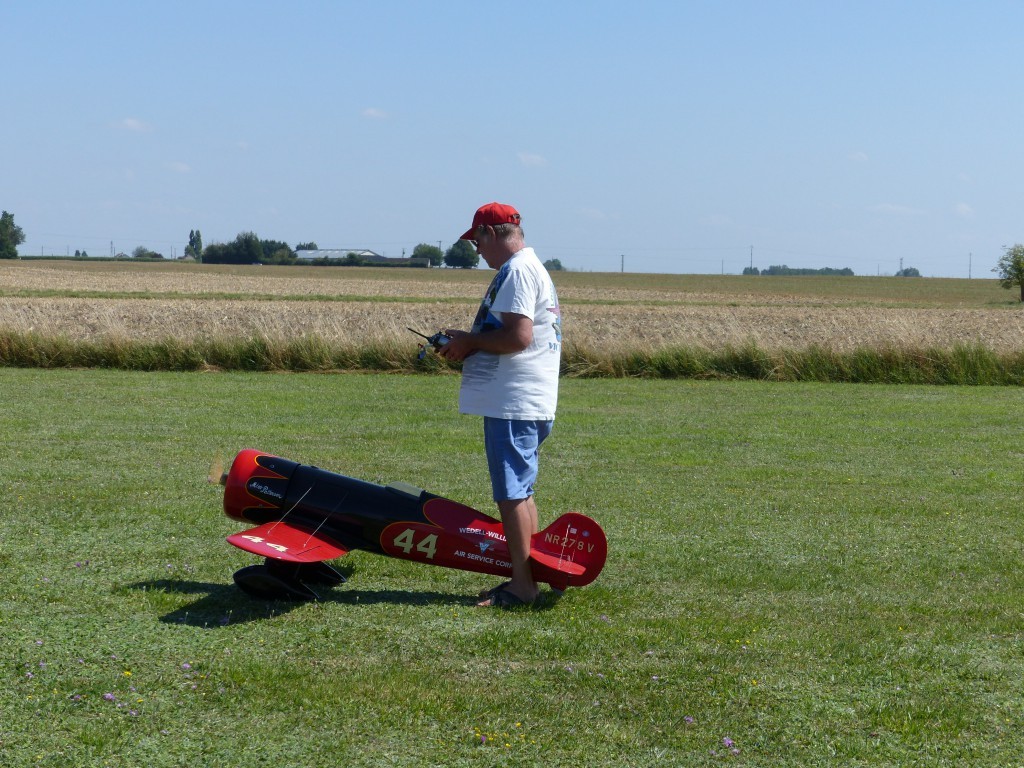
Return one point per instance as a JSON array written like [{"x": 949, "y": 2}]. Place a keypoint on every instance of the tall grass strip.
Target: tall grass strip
[{"x": 962, "y": 364}]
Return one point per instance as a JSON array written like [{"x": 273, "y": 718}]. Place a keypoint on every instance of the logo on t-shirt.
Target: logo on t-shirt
[
  {"x": 485, "y": 319},
  {"x": 556, "y": 310}
]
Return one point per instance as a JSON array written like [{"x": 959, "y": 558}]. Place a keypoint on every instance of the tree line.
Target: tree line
[
  {"x": 783, "y": 270},
  {"x": 844, "y": 272},
  {"x": 248, "y": 248}
]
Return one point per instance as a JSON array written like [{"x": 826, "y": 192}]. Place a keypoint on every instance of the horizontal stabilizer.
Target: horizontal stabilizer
[
  {"x": 557, "y": 564},
  {"x": 291, "y": 543}
]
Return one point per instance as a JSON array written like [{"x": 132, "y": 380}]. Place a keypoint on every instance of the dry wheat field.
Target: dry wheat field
[{"x": 607, "y": 311}]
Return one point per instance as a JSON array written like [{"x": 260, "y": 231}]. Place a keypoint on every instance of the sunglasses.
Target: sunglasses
[{"x": 480, "y": 230}]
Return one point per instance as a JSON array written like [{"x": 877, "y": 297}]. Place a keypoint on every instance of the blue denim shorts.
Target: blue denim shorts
[{"x": 512, "y": 447}]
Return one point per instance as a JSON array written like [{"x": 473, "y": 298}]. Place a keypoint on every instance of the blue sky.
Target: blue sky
[{"x": 667, "y": 136}]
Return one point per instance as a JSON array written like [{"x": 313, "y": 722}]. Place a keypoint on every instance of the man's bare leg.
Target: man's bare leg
[{"x": 519, "y": 519}]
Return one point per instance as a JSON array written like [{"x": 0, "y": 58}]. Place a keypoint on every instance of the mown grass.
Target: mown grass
[
  {"x": 799, "y": 575},
  {"x": 962, "y": 364}
]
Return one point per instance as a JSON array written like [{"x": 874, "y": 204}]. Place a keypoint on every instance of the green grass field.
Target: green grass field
[{"x": 799, "y": 575}]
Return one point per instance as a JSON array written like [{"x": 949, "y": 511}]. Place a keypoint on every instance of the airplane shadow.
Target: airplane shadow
[{"x": 220, "y": 605}]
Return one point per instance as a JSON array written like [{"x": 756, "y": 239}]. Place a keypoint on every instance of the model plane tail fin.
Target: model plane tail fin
[{"x": 569, "y": 552}]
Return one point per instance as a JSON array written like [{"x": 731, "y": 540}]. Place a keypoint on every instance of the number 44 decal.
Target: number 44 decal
[
  {"x": 265, "y": 543},
  {"x": 405, "y": 542}
]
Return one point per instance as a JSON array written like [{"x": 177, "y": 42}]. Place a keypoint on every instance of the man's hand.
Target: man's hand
[
  {"x": 459, "y": 348},
  {"x": 515, "y": 335}
]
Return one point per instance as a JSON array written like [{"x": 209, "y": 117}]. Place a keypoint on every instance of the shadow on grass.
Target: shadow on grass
[
  {"x": 223, "y": 604},
  {"x": 218, "y": 605}
]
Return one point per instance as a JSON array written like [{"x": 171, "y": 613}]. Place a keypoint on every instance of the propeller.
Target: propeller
[{"x": 217, "y": 475}]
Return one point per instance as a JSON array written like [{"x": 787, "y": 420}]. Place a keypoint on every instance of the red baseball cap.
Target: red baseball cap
[{"x": 491, "y": 215}]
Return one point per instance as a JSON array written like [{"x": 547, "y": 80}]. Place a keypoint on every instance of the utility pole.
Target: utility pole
[
  {"x": 751, "y": 259},
  {"x": 622, "y": 268},
  {"x": 969, "y": 258}
]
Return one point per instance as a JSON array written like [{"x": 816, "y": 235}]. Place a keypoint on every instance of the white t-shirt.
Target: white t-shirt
[{"x": 521, "y": 385}]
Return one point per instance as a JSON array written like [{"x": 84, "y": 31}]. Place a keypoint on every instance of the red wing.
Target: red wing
[
  {"x": 455, "y": 517},
  {"x": 282, "y": 541}
]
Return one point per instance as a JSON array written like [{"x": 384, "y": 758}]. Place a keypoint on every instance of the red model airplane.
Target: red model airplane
[{"x": 305, "y": 516}]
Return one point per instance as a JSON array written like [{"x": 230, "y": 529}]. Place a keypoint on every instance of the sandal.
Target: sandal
[
  {"x": 485, "y": 593},
  {"x": 502, "y": 598}
]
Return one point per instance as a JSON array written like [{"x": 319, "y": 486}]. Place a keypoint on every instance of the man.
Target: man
[{"x": 510, "y": 377}]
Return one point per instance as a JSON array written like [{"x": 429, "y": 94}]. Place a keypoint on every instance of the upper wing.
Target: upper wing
[
  {"x": 458, "y": 518},
  {"x": 283, "y": 541}
]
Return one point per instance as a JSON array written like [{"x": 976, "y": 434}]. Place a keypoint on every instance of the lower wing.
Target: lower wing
[{"x": 284, "y": 541}]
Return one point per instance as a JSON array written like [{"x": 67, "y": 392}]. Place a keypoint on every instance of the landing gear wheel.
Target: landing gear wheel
[
  {"x": 319, "y": 573},
  {"x": 266, "y": 582}
]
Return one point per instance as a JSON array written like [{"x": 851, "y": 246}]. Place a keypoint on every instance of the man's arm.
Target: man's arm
[{"x": 515, "y": 335}]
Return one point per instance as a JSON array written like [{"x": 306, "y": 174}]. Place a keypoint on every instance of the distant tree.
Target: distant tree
[
  {"x": 248, "y": 248},
  {"x": 195, "y": 245},
  {"x": 908, "y": 272},
  {"x": 462, "y": 255},
  {"x": 217, "y": 253},
  {"x": 553, "y": 265},
  {"x": 283, "y": 255},
  {"x": 142, "y": 252},
  {"x": 310, "y": 246},
  {"x": 276, "y": 252},
  {"x": 431, "y": 252},
  {"x": 11, "y": 236},
  {"x": 245, "y": 249},
  {"x": 1011, "y": 268},
  {"x": 751, "y": 271}
]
